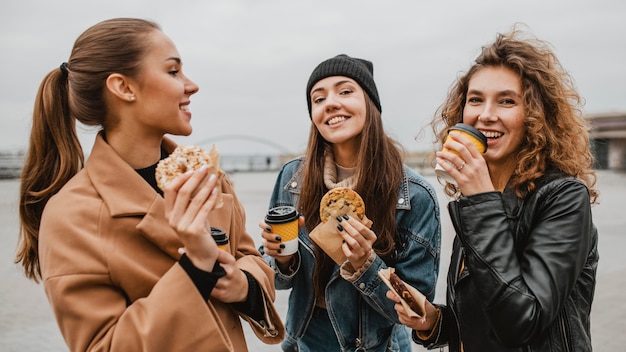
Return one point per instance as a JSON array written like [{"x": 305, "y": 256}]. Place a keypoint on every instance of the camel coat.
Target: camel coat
[{"x": 109, "y": 264}]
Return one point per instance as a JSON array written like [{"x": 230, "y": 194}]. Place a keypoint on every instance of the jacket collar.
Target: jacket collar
[
  {"x": 294, "y": 185},
  {"x": 125, "y": 193}
]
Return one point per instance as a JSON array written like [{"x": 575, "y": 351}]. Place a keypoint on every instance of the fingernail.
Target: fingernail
[
  {"x": 201, "y": 168},
  {"x": 345, "y": 216},
  {"x": 339, "y": 219},
  {"x": 212, "y": 177},
  {"x": 278, "y": 238},
  {"x": 282, "y": 245},
  {"x": 279, "y": 251},
  {"x": 268, "y": 229},
  {"x": 339, "y": 227}
]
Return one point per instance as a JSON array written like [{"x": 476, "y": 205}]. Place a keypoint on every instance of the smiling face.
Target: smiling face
[
  {"x": 338, "y": 110},
  {"x": 495, "y": 106},
  {"x": 163, "y": 90}
]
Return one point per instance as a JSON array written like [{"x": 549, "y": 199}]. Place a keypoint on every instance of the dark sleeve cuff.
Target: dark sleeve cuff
[
  {"x": 253, "y": 305},
  {"x": 204, "y": 280}
]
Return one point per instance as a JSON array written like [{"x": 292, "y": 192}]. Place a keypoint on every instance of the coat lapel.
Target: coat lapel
[{"x": 127, "y": 194}]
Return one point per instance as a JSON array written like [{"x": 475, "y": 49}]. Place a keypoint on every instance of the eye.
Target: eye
[
  {"x": 173, "y": 72},
  {"x": 474, "y": 100},
  {"x": 317, "y": 100},
  {"x": 507, "y": 101},
  {"x": 345, "y": 91}
]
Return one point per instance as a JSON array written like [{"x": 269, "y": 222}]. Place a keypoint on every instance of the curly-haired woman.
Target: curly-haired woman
[{"x": 522, "y": 272}]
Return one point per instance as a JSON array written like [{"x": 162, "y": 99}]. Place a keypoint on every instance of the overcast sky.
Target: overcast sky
[{"x": 252, "y": 58}]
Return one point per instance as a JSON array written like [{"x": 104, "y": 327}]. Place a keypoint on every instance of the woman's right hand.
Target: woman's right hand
[
  {"x": 273, "y": 247},
  {"x": 187, "y": 207}
]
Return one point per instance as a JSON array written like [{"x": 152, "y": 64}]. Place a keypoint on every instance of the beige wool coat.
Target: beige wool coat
[{"x": 109, "y": 265}]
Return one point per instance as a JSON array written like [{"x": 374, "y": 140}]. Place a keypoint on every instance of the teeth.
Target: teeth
[
  {"x": 184, "y": 107},
  {"x": 492, "y": 134},
  {"x": 336, "y": 120}
]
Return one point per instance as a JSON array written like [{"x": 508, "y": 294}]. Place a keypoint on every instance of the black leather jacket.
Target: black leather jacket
[{"x": 523, "y": 272}]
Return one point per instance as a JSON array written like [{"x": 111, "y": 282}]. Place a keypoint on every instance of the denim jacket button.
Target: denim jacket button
[
  {"x": 294, "y": 184},
  {"x": 362, "y": 285},
  {"x": 401, "y": 201}
]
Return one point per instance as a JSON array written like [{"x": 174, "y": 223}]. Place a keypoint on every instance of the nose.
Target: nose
[
  {"x": 488, "y": 114},
  {"x": 331, "y": 102},
  {"x": 191, "y": 87}
]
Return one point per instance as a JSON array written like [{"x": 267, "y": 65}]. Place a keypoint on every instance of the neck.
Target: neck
[
  {"x": 500, "y": 175},
  {"x": 138, "y": 152},
  {"x": 344, "y": 155}
]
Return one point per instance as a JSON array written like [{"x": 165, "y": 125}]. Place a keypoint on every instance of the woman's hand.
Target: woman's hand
[
  {"x": 189, "y": 215},
  {"x": 358, "y": 240},
  {"x": 415, "y": 323},
  {"x": 233, "y": 287},
  {"x": 469, "y": 170},
  {"x": 273, "y": 247}
]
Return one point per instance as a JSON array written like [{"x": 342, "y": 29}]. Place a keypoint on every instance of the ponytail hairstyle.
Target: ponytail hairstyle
[{"x": 74, "y": 91}]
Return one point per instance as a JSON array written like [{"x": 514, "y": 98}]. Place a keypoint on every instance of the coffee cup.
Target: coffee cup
[
  {"x": 284, "y": 223},
  {"x": 477, "y": 138},
  {"x": 220, "y": 237}
]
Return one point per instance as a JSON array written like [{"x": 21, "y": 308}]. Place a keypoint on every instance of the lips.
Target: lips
[
  {"x": 335, "y": 120},
  {"x": 492, "y": 134}
]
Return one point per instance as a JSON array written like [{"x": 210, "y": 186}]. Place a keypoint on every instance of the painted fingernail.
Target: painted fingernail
[
  {"x": 339, "y": 219},
  {"x": 279, "y": 251},
  {"x": 278, "y": 238},
  {"x": 345, "y": 216},
  {"x": 339, "y": 227},
  {"x": 282, "y": 245},
  {"x": 268, "y": 229}
]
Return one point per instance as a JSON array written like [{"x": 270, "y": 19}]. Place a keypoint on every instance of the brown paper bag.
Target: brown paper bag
[{"x": 328, "y": 238}]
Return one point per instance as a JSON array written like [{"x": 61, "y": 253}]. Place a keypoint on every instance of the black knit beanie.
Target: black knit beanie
[{"x": 362, "y": 71}]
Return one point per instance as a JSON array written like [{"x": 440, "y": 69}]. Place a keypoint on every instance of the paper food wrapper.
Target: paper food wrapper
[
  {"x": 328, "y": 238},
  {"x": 417, "y": 295}
]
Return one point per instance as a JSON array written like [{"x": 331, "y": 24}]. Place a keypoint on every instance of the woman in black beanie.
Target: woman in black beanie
[{"x": 343, "y": 307}]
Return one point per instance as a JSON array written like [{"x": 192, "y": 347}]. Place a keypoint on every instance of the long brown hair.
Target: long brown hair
[
  {"x": 72, "y": 92},
  {"x": 378, "y": 177},
  {"x": 556, "y": 136}
]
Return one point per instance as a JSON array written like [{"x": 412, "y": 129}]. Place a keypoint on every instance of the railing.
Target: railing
[{"x": 11, "y": 163}]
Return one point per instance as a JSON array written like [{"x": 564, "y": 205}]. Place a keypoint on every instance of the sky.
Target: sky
[{"x": 252, "y": 58}]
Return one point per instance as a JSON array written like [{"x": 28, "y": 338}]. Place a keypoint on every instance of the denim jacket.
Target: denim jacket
[{"x": 376, "y": 326}]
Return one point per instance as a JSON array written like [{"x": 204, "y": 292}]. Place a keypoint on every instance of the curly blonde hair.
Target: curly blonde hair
[{"x": 557, "y": 136}]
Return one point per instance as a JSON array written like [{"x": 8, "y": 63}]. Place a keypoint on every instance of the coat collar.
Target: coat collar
[{"x": 125, "y": 193}]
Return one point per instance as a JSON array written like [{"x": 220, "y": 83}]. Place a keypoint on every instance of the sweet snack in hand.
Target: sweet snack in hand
[
  {"x": 185, "y": 158},
  {"x": 413, "y": 300},
  {"x": 339, "y": 201}
]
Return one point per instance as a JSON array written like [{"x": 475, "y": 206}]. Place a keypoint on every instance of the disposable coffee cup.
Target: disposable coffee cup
[
  {"x": 284, "y": 223},
  {"x": 477, "y": 138},
  {"x": 220, "y": 238}
]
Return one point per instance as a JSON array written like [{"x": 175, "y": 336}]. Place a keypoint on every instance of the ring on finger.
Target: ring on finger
[{"x": 461, "y": 167}]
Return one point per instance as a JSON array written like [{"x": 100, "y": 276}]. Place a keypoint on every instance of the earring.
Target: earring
[{"x": 131, "y": 98}]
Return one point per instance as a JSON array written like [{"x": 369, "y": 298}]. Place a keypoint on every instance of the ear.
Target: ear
[{"x": 120, "y": 86}]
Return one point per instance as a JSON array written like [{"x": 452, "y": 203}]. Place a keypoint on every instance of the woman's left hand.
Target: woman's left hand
[
  {"x": 233, "y": 287},
  {"x": 358, "y": 240}
]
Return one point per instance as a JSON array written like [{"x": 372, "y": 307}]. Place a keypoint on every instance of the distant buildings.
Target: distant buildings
[{"x": 608, "y": 140}]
